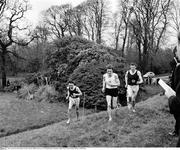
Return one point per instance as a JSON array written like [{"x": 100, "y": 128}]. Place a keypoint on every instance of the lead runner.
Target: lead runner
[{"x": 110, "y": 88}]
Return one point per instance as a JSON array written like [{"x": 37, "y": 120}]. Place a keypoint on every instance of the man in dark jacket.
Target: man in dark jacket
[{"x": 174, "y": 101}]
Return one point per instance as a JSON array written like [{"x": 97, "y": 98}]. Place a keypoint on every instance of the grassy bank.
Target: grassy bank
[
  {"x": 19, "y": 115},
  {"x": 148, "y": 127}
]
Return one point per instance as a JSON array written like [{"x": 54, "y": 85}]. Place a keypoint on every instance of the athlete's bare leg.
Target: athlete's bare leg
[
  {"x": 69, "y": 116},
  {"x": 115, "y": 105},
  {"x": 77, "y": 112},
  {"x": 108, "y": 98},
  {"x": 134, "y": 102},
  {"x": 129, "y": 102}
]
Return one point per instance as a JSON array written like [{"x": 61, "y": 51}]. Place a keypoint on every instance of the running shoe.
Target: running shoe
[
  {"x": 68, "y": 121},
  {"x": 134, "y": 110},
  {"x": 129, "y": 106},
  {"x": 110, "y": 119}
]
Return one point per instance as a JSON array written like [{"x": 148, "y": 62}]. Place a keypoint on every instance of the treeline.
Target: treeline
[{"x": 137, "y": 30}]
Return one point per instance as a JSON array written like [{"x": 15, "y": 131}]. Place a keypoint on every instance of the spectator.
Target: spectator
[{"x": 174, "y": 101}]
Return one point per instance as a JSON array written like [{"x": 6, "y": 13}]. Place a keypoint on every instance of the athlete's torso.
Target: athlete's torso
[
  {"x": 132, "y": 77},
  {"x": 73, "y": 91},
  {"x": 110, "y": 79}
]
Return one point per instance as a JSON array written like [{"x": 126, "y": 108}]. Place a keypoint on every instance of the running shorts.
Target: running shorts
[
  {"x": 111, "y": 92},
  {"x": 74, "y": 101},
  {"x": 132, "y": 90}
]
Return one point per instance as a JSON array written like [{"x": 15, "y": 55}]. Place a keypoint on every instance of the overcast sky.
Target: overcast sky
[{"x": 40, "y": 5}]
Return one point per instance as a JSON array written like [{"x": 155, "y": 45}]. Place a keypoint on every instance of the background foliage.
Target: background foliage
[{"x": 83, "y": 62}]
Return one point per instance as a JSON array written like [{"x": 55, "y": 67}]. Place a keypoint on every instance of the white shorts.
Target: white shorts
[
  {"x": 132, "y": 90},
  {"x": 114, "y": 101},
  {"x": 74, "y": 101}
]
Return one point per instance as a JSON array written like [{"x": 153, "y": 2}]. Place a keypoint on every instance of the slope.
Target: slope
[{"x": 148, "y": 127}]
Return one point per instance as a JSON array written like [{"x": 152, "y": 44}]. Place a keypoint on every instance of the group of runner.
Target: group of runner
[{"x": 133, "y": 79}]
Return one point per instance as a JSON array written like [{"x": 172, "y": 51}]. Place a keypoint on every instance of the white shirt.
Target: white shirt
[{"x": 111, "y": 80}]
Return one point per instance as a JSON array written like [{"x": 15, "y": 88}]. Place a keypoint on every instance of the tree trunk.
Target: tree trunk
[
  {"x": 124, "y": 40},
  {"x": 79, "y": 28},
  {"x": 62, "y": 31},
  {"x": 117, "y": 42},
  {"x": 3, "y": 69},
  {"x": 98, "y": 35},
  {"x": 92, "y": 35},
  {"x": 139, "y": 55},
  {"x": 145, "y": 55}
]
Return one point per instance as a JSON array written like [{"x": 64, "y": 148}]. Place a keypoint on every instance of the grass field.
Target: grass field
[
  {"x": 148, "y": 127},
  {"x": 17, "y": 115},
  {"x": 150, "y": 90}
]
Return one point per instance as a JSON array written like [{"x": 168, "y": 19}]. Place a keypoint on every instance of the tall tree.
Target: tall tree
[
  {"x": 57, "y": 20},
  {"x": 88, "y": 21},
  {"x": 117, "y": 24},
  {"x": 95, "y": 18},
  {"x": 2, "y": 6},
  {"x": 10, "y": 27},
  {"x": 126, "y": 14},
  {"x": 175, "y": 15},
  {"x": 76, "y": 20},
  {"x": 151, "y": 20}
]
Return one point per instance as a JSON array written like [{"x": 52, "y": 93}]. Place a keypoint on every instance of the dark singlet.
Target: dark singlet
[
  {"x": 132, "y": 79},
  {"x": 74, "y": 91}
]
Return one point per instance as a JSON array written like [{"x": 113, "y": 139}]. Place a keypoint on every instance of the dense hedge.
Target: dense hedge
[{"x": 83, "y": 62}]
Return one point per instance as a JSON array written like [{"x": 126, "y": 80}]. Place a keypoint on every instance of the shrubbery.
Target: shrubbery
[
  {"x": 39, "y": 93},
  {"x": 27, "y": 90},
  {"x": 46, "y": 93},
  {"x": 79, "y": 60},
  {"x": 14, "y": 85},
  {"x": 83, "y": 62},
  {"x": 34, "y": 65}
]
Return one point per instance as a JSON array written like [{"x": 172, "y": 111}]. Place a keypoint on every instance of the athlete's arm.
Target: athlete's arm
[
  {"x": 126, "y": 79},
  {"x": 79, "y": 92},
  {"x": 67, "y": 97},
  {"x": 104, "y": 84},
  {"x": 140, "y": 78}
]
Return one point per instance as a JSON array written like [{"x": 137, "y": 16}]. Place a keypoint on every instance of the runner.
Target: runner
[
  {"x": 110, "y": 88},
  {"x": 73, "y": 94},
  {"x": 132, "y": 78}
]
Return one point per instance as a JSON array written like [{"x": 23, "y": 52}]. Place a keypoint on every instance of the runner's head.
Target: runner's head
[
  {"x": 109, "y": 69},
  {"x": 71, "y": 84},
  {"x": 133, "y": 66}
]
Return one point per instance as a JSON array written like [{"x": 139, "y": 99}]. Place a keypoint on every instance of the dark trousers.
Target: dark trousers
[
  {"x": 177, "y": 123},
  {"x": 177, "y": 128},
  {"x": 178, "y": 143}
]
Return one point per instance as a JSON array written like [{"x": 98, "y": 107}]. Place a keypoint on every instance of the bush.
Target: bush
[
  {"x": 13, "y": 86},
  {"x": 31, "y": 78},
  {"x": 46, "y": 93},
  {"x": 41, "y": 93},
  {"x": 33, "y": 65},
  {"x": 26, "y": 91},
  {"x": 37, "y": 78},
  {"x": 83, "y": 62}
]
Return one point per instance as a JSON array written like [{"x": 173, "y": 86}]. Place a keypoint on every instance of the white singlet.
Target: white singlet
[{"x": 111, "y": 80}]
